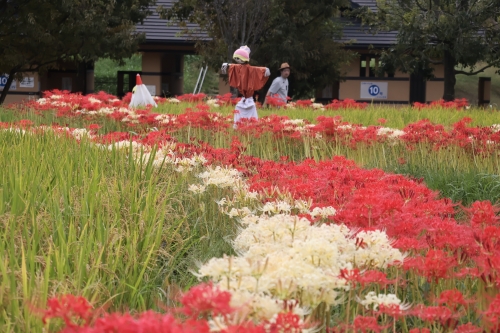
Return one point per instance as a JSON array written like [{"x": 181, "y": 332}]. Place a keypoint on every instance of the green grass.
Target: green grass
[
  {"x": 77, "y": 219},
  {"x": 396, "y": 117},
  {"x": 467, "y": 86},
  {"x": 457, "y": 174}
]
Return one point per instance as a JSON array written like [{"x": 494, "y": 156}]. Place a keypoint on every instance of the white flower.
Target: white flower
[
  {"x": 198, "y": 189},
  {"x": 381, "y": 299}
]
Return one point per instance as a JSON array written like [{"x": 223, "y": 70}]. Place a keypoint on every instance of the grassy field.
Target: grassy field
[
  {"x": 95, "y": 223},
  {"x": 77, "y": 218}
]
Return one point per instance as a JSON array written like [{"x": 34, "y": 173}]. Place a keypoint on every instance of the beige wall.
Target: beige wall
[
  {"x": 353, "y": 68},
  {"x": 224, "y": 87},
  {"x": 434, "y": 90},
  {"x": 438, "y": 71},
  {"x": 151, "y": 62},
  {"x": 167, "y": 72},
  {"x": 19, "y": 98}
]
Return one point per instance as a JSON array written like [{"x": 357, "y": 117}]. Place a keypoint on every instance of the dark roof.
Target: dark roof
[
  {"x": 355, "y": 35},
  {"x": 372, "y": 4},
  {"x": 160, "y": 31}
]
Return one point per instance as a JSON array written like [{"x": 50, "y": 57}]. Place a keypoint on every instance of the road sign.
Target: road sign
[{"x": 373, "y": 90}]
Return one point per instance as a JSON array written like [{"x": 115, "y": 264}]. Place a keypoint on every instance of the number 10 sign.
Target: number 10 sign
[{"x": 373, "y": 90}]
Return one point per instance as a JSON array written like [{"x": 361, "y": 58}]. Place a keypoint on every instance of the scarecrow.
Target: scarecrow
[
  {"x": 140, "y": 94},
  {"x": 247, "y": 79}
]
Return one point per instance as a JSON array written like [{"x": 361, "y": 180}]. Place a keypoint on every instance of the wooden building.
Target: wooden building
[{"x": 163, "y": 65}]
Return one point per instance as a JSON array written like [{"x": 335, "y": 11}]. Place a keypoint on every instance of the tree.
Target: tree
[
  {"x": 299, "y": 32},
  {"x": 458, "y": 34},
  {"x": 36, "y": 35}
]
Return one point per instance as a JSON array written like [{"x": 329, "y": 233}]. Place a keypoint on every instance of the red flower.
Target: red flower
[
  {"x": 205, "y": 299},
  {"x": 452, "y": 298},
  {"x": 68, "y": 308},
  {"x": 366, "y": 324},
  {"x": 468, "y": 328}
]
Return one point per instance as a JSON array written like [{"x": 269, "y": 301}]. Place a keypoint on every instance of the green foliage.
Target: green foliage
[
  {"x": 192, "y": 66},
  {"x": 105, "y": 72},
  {"x": 36, "y": 35},
  {"x": 441, "y": 32}
]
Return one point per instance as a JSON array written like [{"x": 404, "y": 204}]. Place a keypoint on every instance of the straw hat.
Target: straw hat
[{"x": 284, "y": 65}]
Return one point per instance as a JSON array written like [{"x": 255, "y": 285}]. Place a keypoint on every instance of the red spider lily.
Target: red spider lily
[
  {"x": 287, "y": 322},
  {"x": 68, "y": 308},
  {"x": 25, "y": 123},
  {"x": 392, "y": 310},
  {"x": 420, "y": 330},
  {"x": 191, "y": 97},
  {"x": 436, "y": 265},
  {"x": 205, "y": 299},
  {"x": 483, "y": 213},
  {"x": 492, "y": 315},
  {"x": 457, "y": 104},
  {"x": 375, "y": 277},
  {"x": 275, "y": 101},
  {"x": 468, "y": 328},
  {"x": 304, "y": 103},
  {"x": 345, "y": 104},
  {"x": 351, "y": 276},
  {"x": 452, "y": 298},
  {"x": 367, "y": 324},
  {"x": 446, "y": 317}
]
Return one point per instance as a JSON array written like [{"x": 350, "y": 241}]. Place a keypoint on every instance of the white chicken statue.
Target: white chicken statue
[{"x": 141, "y": 95}]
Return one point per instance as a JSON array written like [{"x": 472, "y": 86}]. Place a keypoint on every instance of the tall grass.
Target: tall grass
[
  {"x": 455, "y": 173},
  {"x": 77, "y": 219}
]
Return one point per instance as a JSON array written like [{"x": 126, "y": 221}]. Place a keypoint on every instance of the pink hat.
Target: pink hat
[{"x": 243, "y": 54}]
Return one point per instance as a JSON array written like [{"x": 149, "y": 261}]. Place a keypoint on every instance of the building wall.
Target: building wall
[
  {"x": 20, "y": 94},
  {"x": 435, "y": 87},
  {"x": 151, "y": 63},
  {"x": 163, "y": 72},
  {"x": 398, "y": 86}
]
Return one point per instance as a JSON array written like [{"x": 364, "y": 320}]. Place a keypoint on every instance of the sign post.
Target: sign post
[{"x": 373, "y": 90}]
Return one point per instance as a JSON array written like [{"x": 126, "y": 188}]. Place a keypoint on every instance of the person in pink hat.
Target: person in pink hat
[{"x": 247, "y": 79}]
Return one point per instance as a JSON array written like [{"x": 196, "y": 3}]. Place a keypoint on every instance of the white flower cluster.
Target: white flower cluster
[
  {"x": 495, "y": 128},
  {"x": 213, "y": 102},
  {"x": 287, "y": 258},
  {"x": 103, "y": 111},
  {"x": 163, "y": 155},
  {"x": 391, "y": 133},
  {"x": 374, "y": 301},
  {"x": 222, "y": 177},
  {"x": 166, "y": 119}
]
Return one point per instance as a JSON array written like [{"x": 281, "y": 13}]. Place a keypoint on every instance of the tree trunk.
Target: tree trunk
[
  {"x": 232, "y": 90},
  {"x": 449, "y": 76},
  {"x": 7, "y": 86}
]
